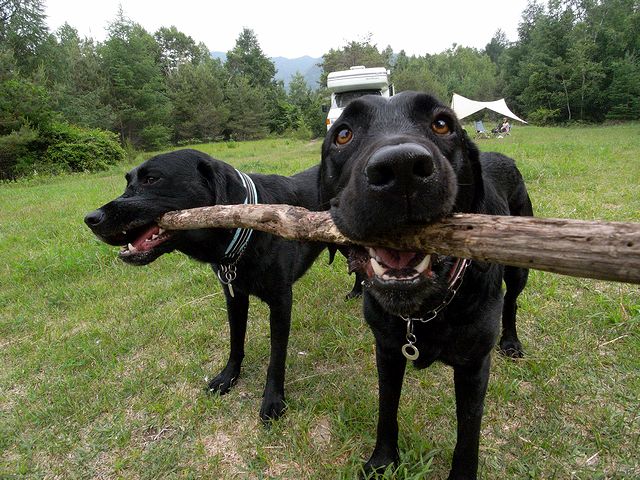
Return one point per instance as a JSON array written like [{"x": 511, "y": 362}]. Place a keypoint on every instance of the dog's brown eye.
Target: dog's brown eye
[
  {"x": 344, "y": 136},
  {"x": 149, "y": 180},
  {"x": 440, "y": 126}
]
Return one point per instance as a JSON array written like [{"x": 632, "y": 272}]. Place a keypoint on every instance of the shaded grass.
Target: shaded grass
[{"x": 104, "y": 365}]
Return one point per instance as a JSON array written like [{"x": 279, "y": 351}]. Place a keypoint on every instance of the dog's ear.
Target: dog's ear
[
  {"x": 333, "y": 248},
  {"x": 471, "y": 148},
  {"x": 324, "y": 187},
  {"x": 472, "y": 154},
  {"x": 222, "y": 181},
  {"x": 206, "y": 170}
]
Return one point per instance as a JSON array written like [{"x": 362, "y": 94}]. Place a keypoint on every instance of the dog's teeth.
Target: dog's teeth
[
  {"x": 160, "y": 231},
  {"x": 372, "y": 253},
  {"x": 154, "y": 236},
  {"x": 132, "y": 248},
  {"x": 422, "y": 266},
  {"x": 377, "y": 268}
]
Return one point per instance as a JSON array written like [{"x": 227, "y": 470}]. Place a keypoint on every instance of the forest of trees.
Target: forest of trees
[{"x": 71, "y": 103}]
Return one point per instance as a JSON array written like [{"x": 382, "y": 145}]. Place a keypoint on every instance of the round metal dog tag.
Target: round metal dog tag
[{"x": 410, "y": 352}]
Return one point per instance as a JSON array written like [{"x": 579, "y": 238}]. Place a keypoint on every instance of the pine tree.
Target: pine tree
[
  {"x": 23, "y": 31},
  {"x": 247, "y": 60},
  {"x": 136, "y": 92}
]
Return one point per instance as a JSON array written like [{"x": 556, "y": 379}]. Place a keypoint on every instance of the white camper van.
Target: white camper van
[{"x": 346, "y": 85}]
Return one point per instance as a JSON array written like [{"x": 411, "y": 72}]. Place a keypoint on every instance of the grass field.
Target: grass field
[{"x": 103, "y": 366}]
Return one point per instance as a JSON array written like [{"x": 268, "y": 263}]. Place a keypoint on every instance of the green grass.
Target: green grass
[{"x": 103, "y": 365}]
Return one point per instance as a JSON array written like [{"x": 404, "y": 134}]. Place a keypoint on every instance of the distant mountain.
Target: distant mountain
[
  {"x": 307, "y": 66},
  {"x": 287, "y": 67}
]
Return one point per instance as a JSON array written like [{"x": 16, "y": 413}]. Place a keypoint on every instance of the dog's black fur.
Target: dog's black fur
[
  {"x": 404, "y": 161},
  {"x": 267, "y": 269}
]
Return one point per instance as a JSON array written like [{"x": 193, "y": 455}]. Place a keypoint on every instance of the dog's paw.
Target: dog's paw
[
  {"x": 511, "y": 348},
  {"x": 453, "y": 476},
  {"x": 222, "y": 383},
  {"x": 273, "y": 407},
  {"x": 378, "y": 465}
]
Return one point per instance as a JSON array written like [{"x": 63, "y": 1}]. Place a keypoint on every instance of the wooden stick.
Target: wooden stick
[{"x": 602, "y": 250}]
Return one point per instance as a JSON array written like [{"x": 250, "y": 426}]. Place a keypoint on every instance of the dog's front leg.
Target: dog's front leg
[
  {"x": 471, "y": 387},
  {"x": 391, "y": 365},
  {"x": 237, "y": 312},
  {"x": 273, "y": 404}
]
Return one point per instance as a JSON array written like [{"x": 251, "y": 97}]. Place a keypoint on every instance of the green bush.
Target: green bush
[
  {"x": 301, "y": 132},
  {"x": 77, "y": 149},
  {"x": 15, "y": 149},
  {"x": 544, "y": 116},
  {"x": 61, "y": 147}
]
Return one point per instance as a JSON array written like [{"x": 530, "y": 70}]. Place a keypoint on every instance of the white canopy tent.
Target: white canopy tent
[{"x": 464, "y": 107}]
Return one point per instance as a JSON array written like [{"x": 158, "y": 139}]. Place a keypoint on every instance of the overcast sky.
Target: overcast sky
[{"x": 295, "y": 28}]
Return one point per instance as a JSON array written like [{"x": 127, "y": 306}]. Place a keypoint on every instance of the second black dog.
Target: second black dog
[
  {"x": 389, "y": 164},
  {"x": 247, "y": 262}
]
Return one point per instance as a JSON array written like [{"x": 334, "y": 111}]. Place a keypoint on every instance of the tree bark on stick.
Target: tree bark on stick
[{"x": 592, "y": 249}]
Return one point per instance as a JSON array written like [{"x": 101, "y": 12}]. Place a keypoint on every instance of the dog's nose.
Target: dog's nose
[
  {"x": 93, "y": 219},
  {"x": 399, "y": 165}
]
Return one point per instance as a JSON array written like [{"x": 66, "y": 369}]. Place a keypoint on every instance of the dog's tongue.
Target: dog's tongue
[
  {"x": 394, "y": 258},
  {"x": 153, "y": 230}
]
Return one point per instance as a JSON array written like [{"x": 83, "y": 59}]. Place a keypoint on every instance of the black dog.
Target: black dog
[
  {"x": 247, "y": 263},
  {"x": 404, "y": 161}
]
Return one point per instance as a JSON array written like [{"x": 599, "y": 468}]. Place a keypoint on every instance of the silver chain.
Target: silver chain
[{"x": 409, "y": 350}]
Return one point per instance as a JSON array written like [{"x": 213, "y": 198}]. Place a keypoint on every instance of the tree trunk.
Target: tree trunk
[{"x": 566, "y": 96}]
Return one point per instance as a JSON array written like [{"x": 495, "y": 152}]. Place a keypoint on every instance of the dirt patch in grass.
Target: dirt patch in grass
[
  {"x": 320, "y": 434},
  {"x": 11, "y": 398},
  {"x": 225, "y": 446}
]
